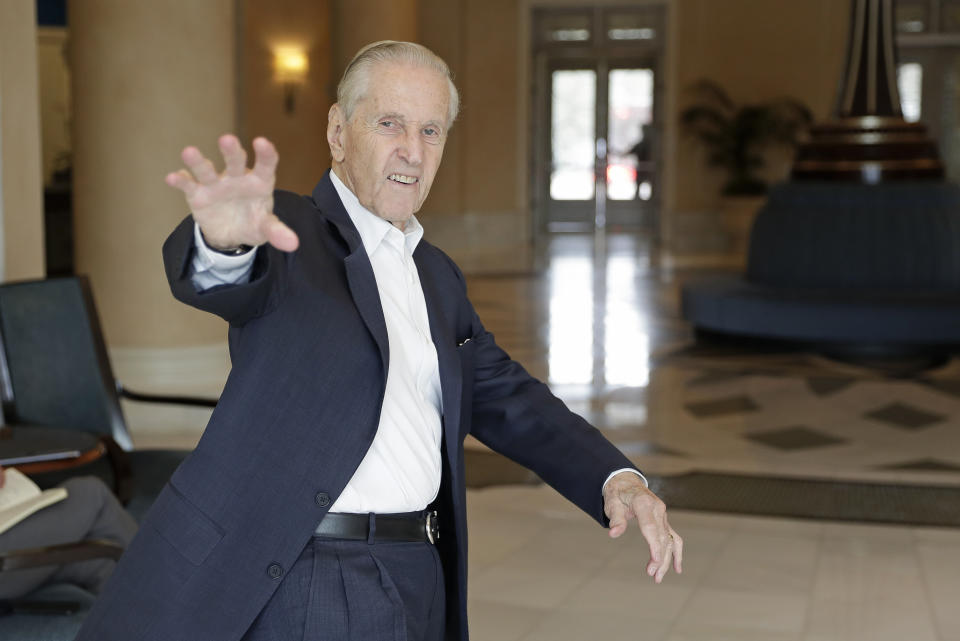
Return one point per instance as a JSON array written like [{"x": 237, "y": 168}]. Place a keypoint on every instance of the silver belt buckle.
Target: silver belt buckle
[{"x": 432, "y": 527}]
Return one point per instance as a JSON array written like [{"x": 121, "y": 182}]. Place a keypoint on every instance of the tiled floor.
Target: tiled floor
[
  {"x": 599, "y": 321},
  {"x": 540, "y": 570}
]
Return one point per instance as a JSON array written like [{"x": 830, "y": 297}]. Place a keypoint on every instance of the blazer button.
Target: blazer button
[
  {"x": 322, "y": 499},
  {"x": 275, "y": 571}
]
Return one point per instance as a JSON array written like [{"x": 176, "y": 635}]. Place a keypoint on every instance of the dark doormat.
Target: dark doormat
[
  {"x": 811, "y": 499},
  {"x": 765, "y": 495}
]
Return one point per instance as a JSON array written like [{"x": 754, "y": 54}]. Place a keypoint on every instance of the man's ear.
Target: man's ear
[{"x": 335, "y": 126}]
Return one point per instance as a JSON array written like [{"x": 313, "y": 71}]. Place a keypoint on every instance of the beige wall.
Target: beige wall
[
  {"x": 757, "y": 50},
  {"x": 476, "y": 209},
  {"x": 441, "y": 28},
  {"x": 491, "y": 46},
  {"x": 21, "y": 190},
  {"x": 300, "y": 136},
  {"x": 360, "y": 22}
]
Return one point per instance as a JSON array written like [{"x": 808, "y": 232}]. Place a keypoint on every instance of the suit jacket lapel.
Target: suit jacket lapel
[
  {"x": 363, "y": 284},
  {"x": 451, "y": 377}
]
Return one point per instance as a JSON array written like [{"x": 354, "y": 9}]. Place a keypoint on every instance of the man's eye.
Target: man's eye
[{"x": 430, "y": 131}]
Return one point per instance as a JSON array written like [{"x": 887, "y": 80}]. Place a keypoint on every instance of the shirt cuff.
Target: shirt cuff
[
  {"x": 625, "y": 469},
  {"x": 211, "y": 268}
]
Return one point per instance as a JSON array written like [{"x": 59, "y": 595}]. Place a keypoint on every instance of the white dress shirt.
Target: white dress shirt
[{"x": 401, "y": 470}]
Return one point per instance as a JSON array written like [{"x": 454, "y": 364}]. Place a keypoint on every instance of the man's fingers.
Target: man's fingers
[
  {"x": 674, "y": 550},
  {"x": 183, "y": 181},
  {"x": 278, "y": 234},
  {"x": 234, "y": 155},
  {"x": 677, "y": 553},
  {"x": 266, "y": 159},
  {"x": 664, "y": 551},
  {"x": 201, "y": 168},
  {"x": 659, "y": 562},
  {"x": 664, "y": 566},
  {"x": 655, "y": 542}
]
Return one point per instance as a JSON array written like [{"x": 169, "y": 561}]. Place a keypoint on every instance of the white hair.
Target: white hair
[{"x": 356, "y": 76}]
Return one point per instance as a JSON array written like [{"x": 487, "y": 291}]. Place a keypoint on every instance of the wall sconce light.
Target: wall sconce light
[{"x": 290, "y": 68}]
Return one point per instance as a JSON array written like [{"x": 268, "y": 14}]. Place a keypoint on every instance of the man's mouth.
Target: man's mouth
[{"x": 402, "y": 179}]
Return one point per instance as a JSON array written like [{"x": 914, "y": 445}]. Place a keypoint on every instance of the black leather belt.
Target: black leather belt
[{"x": 410, "y": 527}]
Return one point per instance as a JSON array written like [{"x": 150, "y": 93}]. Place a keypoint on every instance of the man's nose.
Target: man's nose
[{"x": 411, "y": 148}]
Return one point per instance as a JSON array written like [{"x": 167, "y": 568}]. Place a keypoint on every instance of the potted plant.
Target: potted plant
[
  {"x": 735, "y": 136},
  {"x": 739, "y": 139}
]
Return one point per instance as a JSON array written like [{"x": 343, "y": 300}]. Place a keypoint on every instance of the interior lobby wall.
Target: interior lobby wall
[
  {"x": 20, "y": 162},
  {"x": 360, "y": 22},
  {"x": 476, "y": 210},
  {"x": 300, "y": 136},
  {"x": 757, "y": 50},
  {"x": 441, "y": 27}
]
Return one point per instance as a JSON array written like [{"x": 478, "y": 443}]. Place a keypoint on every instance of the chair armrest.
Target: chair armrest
[
  {"x": 59, "y": 554},
  {"x": 193, "y": 401}
]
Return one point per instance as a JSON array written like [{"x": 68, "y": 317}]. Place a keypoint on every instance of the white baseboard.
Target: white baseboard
[{"x": 199, "y": 370}]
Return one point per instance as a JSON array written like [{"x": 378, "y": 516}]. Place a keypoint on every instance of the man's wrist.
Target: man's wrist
[
  {"x": 235, "y": 250},
  {"x": 620, "y": 471},
  {"x": 226, "y": 268}
]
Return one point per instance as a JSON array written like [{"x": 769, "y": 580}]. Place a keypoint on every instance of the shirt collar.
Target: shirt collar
[{"x": 372, "y": 228}]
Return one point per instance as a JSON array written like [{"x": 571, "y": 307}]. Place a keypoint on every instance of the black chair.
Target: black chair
[
  {"x": 55, "y": 372},
  {"x": 55, "y": 612}
]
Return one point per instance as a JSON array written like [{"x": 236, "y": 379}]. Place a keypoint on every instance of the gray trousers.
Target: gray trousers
[
  {"x": 90, "y": 511},
  {"x": 357, "y": 591}
]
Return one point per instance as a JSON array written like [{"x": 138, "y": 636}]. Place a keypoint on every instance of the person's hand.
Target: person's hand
[
  {"x": 625, "y": 497},
  {"x": 234, "y": 207}
]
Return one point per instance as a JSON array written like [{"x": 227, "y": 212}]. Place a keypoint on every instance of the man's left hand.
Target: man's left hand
[{"x": 625, "y": 497}]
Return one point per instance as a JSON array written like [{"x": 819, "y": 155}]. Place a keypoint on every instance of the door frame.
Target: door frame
[{"x": 537, "y": 126}]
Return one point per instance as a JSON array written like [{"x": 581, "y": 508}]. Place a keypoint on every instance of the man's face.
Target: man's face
[{"x": 390, "y": 149}]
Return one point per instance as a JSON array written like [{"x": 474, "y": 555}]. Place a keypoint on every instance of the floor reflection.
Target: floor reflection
[
  {"x": 598, "y": 334},
  {"x": 598, "y": 319}
]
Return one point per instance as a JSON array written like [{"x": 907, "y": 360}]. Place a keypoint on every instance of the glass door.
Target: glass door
[
  {"x": 572, "y": 153},
  {"x": 631, "y": 167},
  {"x": 602, "y": 149}
]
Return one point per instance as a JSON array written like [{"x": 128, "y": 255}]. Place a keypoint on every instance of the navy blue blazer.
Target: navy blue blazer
[{"x": 309, "y": 350}]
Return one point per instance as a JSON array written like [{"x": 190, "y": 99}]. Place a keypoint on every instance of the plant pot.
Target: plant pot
[{"x": 736, "y": 215}]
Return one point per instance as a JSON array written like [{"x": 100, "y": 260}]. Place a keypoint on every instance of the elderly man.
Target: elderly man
[{"x": 326, "y": 499}]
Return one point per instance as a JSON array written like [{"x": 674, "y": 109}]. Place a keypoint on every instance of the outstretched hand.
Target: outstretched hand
[
  {"x": 234, "y": 207},
  {"x": 625, "y": 497}
]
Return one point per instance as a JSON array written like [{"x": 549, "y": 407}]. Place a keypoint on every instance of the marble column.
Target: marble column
[
  {"x": 21, "y": 185},
  {"x": 148, "y": 78}
]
